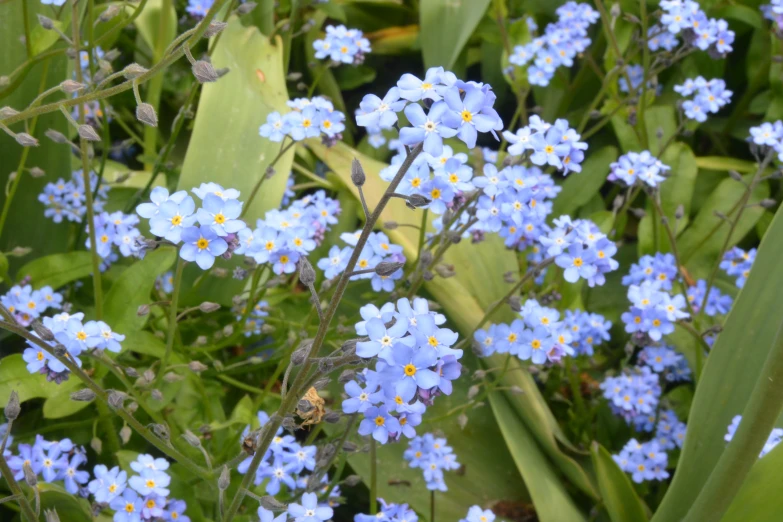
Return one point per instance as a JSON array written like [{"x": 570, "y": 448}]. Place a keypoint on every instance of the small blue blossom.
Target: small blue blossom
[{"x": 202, "y": 245}]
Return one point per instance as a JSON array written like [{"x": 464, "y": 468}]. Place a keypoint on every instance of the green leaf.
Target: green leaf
[
  {"x": 734, "y": 365},
  {"x": 446, "y": 27},
  {"x": 69, "y": 507},
  {"x": 702, "y": 241},
  {"x": 132, "y": 289},
  {"x": 723, "y": 163},
  {"x": 660, "y": 117},
  {"x": 759, "y": 498},
  {"x": 552, "y": 502},
  {"x": 14, "y": 376},
  {"x": 579, "y": 188},
  {"x": 148, "y": 23},
  {"x": 4, "y": 269},
  {"x": 352, "y": 77},
  {"x": 620, "y": 499},
  {"x": 57, "y": 270},
  {"x": 41, "y": 39}
]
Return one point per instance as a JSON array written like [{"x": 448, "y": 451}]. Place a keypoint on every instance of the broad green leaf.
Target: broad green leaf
[
  {"x": 724, "y": 164},
  {"x": 552, "y": 502},
  {"x": 579, "y": 188},
  {"x": 658, "y": 118},
  {"x": 149, "y": 26},
  {"x": 465, "y": 297},
  {"x": 57, "y": 270},
  {"x": 14, "y": 376},
  {"x": 4, "y": 269},
  {"x": 25, "y": 224},
  {"x": 225, "y": 146},
  {"x": 730, "y": 374},
  {"x": 620, "y": 499},
  {"x": 759, "y": 499},
  {"x": 41, "y": 39},
  {"x": 702, "y": 241},
  {"x": 132, "y": 289},
  {"x": 69, "y": 507},
  {"x": 675, "y": 191},
  {"x": 446, "y": 27}
]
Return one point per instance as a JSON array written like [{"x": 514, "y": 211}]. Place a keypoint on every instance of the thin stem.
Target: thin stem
[
  {"x": 317, "y": 79},
  {"x": 646, "y": 70},
  {"x": 699, "y": 349},
  {"x": 432, "y": 506},
  {"x": 364, "y": 204},
  {"x": 373, "y": 478},
  {"x": 172, "y": 326},
  {"x": 13, "y": 485},
  {"x": 283, "y": 150},
  {"x": 422, "y": 234}
]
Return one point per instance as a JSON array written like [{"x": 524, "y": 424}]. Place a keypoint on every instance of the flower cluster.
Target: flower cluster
[
  {"x": 685, "y": 17},
  {"x": 774, "y": 11},
  {"x": 432, "y": 456},
  {"x": 561, "y": 42},
  {"x": 653, "y": 311},
  {"x": 52, "y": 461},
  {"x": 644, "y": 461},
  {"x": 283, "y": 236},
  {"x": 255, "y": 319},
  {"x": 664, "y": 360},
  {"x": 634, "y": 74},
  {"x": 143, "y": 496},
  {"x": 773, "y": 440},
  {"x": 539, "y": 336},
  {"x": 769, "y": 135},
  {"x": 670, "y": 431},
  {"x": 737, "y": 262},
  {"x": 115, "y": 232},
  {"x": 454, "y": 108},
  {"x": 342, "y": 45},
  {"x": 587, "y": 330},
  {"x": 67, "y": 199},
  {"x": 174, "y": 217},
  {"x": 708, "y": 97},
  {"x": 581, "y": 250},
  {"x": 638, "y": 168},
  {"x": 198, "y": 8},
  {"x": 309, "y": 118},
  {"x": 476, "y": 514},
  {"x": 27, "y": 304},
  {"x": 76, "y": 337},
  {"x": 389, "y": 512},
  {"x": 377, "y": 250},
  {"x": 285, "y": 463},
  {"x": 660, "y": 268},
  {"x": 634, "y": 396},
  {"x": 415, "y": 363},
  {"x": 716, "y": 303},
  {"x": 557, "y": 145}
]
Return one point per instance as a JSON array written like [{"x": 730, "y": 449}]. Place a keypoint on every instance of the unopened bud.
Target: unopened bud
[
  {"x": 172, "y": 377},
  {"x": 25, "y": 140},
  {"x": 208, "y": 307},
  {"x": 245, "y": 8},
  {"x": 50, "y": 515},
  {"x": 145, "y": 113},
  {"x": 125, "y": 434},
  {"x": 156, "y": 394},
  {"x": 214, "y": 28},
  {"x": 55, "y": 136},
  {"x": 83, "y": 395},
  {"x": 306, "y": 272},
  {"x": 445, "y": 271},
  {"x": 736, "y": 176},
  {"x": 133, "y": 71},
  {"x": 116, "y": 399},
  {"x": 473, "y": 391},
  {"x": 332, "y": 417},
  {"x": 161, "y": 430},
  {"x": 7, "y": 112},
  {"x": 680, "y": 212},
  {"x": 385, "y": 268},
  {"x": 37, "y": 172},
  {"x": 767, "y": 203},
  {"x": 110, "y": 12},
  {"x": 42, "y": 331},
  {"x": 46, "y": 22},
  {"x": 228, "y": 330},
  {"x": 191, "y": 439},
  {"x": 13, "y": 408},
  {"x": 390, "y": 225},
  {"x": 224, "y": 480},
  {"x": 143, "y": 310},
  {"x": 516, "y": 390},
  {"x": 349, "y": 346},
  {"x": 322, "y": 383},
  {"x": 197, "y": 366},
  {"x": 462, "y": 421},
  {"x": 4, "y": 81},
  {"x": 97, "y": 445},
  {"x": 349, "y": 446},
  {"x": 19, "y": 251},
  {"x": 204, "y": 72},
  {"x": 416, "y": 201},
  {"x": 29, "y": 475},
  {"x": 639, "y": 213},
  {"x": 352, "y": 480},
  {"x": 88, "y": 133},
  {"x": 357, "y": 173},
  {"x": 272, "y": 504},
  {"x": 70, "y": 86},
  {"x": 131, "y": 372},
  {"x": 132, "y": 407},
  {"x": 346, "y": 376}
]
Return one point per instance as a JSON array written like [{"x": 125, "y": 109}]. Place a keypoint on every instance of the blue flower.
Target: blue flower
[
  {"x": 413, "y": 89},
  {"x": 411, "y": 370},
  {"x": 471, "y": 114},
  {"x": 380, "y": 113},
  {"x": 150, "y": 481},
  {"x": 101, "y": 336},
  {"x": 378, "y": 422},
  {"x": 336, "y": 262},
  {"x": 309, "y": 510},
  {"x": 108, "y": 484},
  {"x": 382, "y": 339},
  {"x": 279, "y": 472},
  {"x": 549, "y": 149},
  {"x": 221, "y": 215},
  {"x": 267, "y": 516},
  {"x": 128, "y": 507},
  {"x": 275, "y": 128},
  {"x": 198, "y": 8},
  {"x": 476, "y": 514},
  {"x": 427, "y": 128},
  {"x": 202, "y": 245}
]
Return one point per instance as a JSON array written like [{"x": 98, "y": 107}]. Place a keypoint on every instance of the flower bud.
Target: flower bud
[
  {"x": 191, "y": 439},
  {"x": 88, "y": 133},
  {"x": 133, "y": 71},
  {"x": 208, "y": 307},
  {"x": 325, "y": 365},
  {"x": 516, "y": 390},
  {"x": 25, "y": 140},
  {"x": 416, "y": 201},
  {"x": 462, "y": 421},
  {"x": 125, "y": 434},
  {"x": 306, "y": 272},
  {"x": 197, "y": 366},
  {"x": 767, "y": 203},
  {"x": 352, "y": 480},
  {"x": 243, "y": 9},
  {"x": 46, "y": 22},
  {"x": 161, "y": 430},
  {"x": 131, "y": 372},
  {"x": 19, "y": 251},
  {"x": 70, "y": 86},
  {"x": 143, "y": 310},
  {"x": 55, "y": 136},
  {"x": 109, "y": 13},
  {"x": 97, "y": 445},
  {"x": 320, "y": 384},
  {"x": 679, "y": 213},
  {"x": 349, "y": 346},
  {"x": 116, "y": 399},
  {"x": 50, "y": 515},
  {"x": 13, "y": 408},
  {"x": 204, "y": 72},
  {"x": 29, "y": 475},
  {"x": 736, "y": 176},
  {"x": 42, "y": 331},
  {"x": 214, "y": 28},
  {"x": 349, "y": 446},
  {"x": 149, "y": 375},
  {"x": 473, "y": 391},
  {"x": 157, "y": 394},
  {"x": 145, "y": 113},
  {"x": 132, "y": 407},
  {"x": 346, "y": 376},
  {"x": 83, "y": 395},
  {"x": 357, "y": 173},
  {"x": 445, "y": 271},
  {"x": 272, "y": 504},
  {"x": 391, "y": 225},
  {"x": 385, "y": 269},
  {"x": 332, "y": 417},
  {"x": 7, "y": 112},
  {"x": 37, "y": 172},
  {"x": 172, "y": 377},
  {"x": 224, "y": 480}
]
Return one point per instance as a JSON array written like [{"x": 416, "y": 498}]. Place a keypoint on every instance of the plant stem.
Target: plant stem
[
  {"x": 432, "y": 506},
  {"x": 373, "y": 478},
  {"x": 758, "y": 419},
  {"x": 422, "y": 234},
  {"x": 641, "y": 124},
  {"x": 13, "y": 485},
  {"x": 172, "y": 331},
  {"x": 155, "y": 87},
  {"x": 283, "y": 150}
]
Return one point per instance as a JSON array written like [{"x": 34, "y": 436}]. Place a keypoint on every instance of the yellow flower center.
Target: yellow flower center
[
  {"x": 40, "y": 356},
  {"x": 578, "y": 261},
  {"x": 129, "y": 507},
  {"x": 453, "y": 178},
  {"x": 327, "y": 124},
  {"x": 306, "y": 123},
  {"x": 426, "y": 86},
  {"x": 467, "y": 116},
  {"x": 410, "y": 370},
  {"x": 435, "y": 193},
  {"x": 536, "y": 344},
  {"x": 150, "y": 483},
  {"x": 104, "y": 238},
  {"x": 284, "y": 259},
  {"x": 220, "y": 218},
  {"x": 269, "y": 245},
  {"x": 432, "y": 341},
  {"x": 379, "y": 421},
  {"x": 176, "y": 220},
  {"x": 512, "y": 337},
  {"x": 202, "y": 243},
  {"x": 549, "y": 149},
  {"x": 82, "y": 335},
  {"x": 415, "y": 182}
]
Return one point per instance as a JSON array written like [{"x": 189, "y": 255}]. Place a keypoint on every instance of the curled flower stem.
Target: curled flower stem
[
  {"x": 291, "y": 398},
  {"x": 172, "y": 326}
]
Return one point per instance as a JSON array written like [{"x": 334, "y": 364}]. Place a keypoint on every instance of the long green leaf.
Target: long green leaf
[
  {"x": 617, "y": 493},
  {"x": 446, "y": 27},
  {"x": 759, "y": 499},
  {"x": 731, "y": 372},
  {"x": 57, "y": 270}
]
